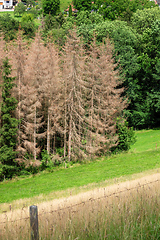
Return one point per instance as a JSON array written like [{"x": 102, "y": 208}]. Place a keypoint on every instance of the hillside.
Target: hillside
[{"x": 143, "y": 157}]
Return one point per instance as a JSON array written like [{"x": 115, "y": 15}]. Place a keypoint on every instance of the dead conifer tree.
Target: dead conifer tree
[
  {"x": 73, "y": 69},
  {"x": 52, "y": 86},
  {"x": 32, "y": 105},
  {"x": 104, "y": 99}
]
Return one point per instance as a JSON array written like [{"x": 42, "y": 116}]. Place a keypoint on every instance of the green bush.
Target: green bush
[
  {"x": 46, "y": 161},
  {"x": 9, "y": 26},
  {"x": 19, "y": 9},
  {"x": 27, "y": 17},
  {"x": 50, "y": 23},
  {"x": 29, "y": 29},
  {"x": 34, "y": 11},
  {"x": 51, "y": 7},
  {"x": 1, "y": 172},
  {"x": 126, "y": 136},
  {"x": 82, "y": 5}
]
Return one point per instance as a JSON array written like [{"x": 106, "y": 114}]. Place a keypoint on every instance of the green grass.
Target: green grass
[
  {"x": 143, "y": 156},
  {"x": 64, "y": 4},
  {"x": 133, "y": 216},
  {"x": 10, "y": 12},
  {"x": 147, "y": 140}
]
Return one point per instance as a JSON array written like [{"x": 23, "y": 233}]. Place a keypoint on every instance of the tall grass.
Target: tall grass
[
  {"x": 130, "y": 214},
  {"x": 133, "y": 215}
]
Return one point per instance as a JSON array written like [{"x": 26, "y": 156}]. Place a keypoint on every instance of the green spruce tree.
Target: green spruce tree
[
  {"x": 9, "y": 124},
  {"x": 70, "y": 10}
]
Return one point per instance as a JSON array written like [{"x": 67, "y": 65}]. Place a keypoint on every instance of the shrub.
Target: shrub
[
  {"x": 19, "y": 9},
  {"x": 29, "y": 29},
  {"x": 9, "y": 26},
  {"x": 126, "y": 136},
  {"x": 27, "y": 17},
  {"x": 51, "y": 7},
  {"x": 46, "y": 161}
]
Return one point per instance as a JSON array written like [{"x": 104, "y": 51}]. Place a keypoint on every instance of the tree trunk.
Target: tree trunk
[
  {"x": 48, "y": 134},
  {"x": 70, "y": 138},
  {"x": 35, "y": 135},
  {"x": 65, "y": 122}
]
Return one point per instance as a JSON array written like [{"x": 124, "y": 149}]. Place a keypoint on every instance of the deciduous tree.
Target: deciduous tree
[{"x": 51, "y": 7}]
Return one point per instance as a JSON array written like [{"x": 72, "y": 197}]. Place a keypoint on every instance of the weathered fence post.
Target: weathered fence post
[{"x": 34, "y": 222}]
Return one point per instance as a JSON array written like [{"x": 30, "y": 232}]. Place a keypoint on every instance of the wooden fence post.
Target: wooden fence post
[{"x": 34, "y": 222}]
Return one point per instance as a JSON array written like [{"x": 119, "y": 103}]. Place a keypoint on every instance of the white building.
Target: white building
[{"x": 6, "y": 4}]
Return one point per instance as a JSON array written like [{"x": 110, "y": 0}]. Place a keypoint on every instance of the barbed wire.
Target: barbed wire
[{"x": 84, "y": 202}]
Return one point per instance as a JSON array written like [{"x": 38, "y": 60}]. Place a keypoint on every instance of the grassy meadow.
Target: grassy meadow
[
  {"x": 129, "y": 214},
  {"x": 143, "y": 156}
]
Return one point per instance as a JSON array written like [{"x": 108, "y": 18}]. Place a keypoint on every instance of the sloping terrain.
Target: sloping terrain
[{"x": 112, "y": 191}]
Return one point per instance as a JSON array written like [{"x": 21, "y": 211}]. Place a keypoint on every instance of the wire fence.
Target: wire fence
[{"x": 84, "y": 202}]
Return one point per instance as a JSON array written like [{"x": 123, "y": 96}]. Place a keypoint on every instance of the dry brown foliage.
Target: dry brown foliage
[{"x": 66, "y": 99}]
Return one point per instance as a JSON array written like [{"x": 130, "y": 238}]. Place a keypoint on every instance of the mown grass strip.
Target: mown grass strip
[
  {"x": 143, "y": 156},
  {"x": 98, "y": 171},
  {"x": 146, "y": 140}
]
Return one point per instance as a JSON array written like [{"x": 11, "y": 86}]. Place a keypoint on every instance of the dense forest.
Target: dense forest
[{"x": 69, "y": 86}]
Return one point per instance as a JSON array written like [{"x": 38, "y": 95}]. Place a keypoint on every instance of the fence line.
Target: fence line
[{"x": 83, "y": 202}]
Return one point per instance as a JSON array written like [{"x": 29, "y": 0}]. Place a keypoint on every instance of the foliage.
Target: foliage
[
  {"x": 143, "y": 156},
  {"x": 136, "y": 53},
  {"x": 120, "y": 9},
  {"x": 8, "y": 130},
  {"x": 51, "y": 7},
  {"x": 28, "y": 28},
  {"x": 144, "y": 19},
  {"x": 2, "y": 174},
  {"x": 64, "y": 4},
  {"x": 87, "y": 18},
  {"x": 126, "y": 136},
  {"x": 58, "y": 36},
  {"x": 9, "y": 26},
  {"x": 35, "y": 11},
  {"x": 53, "y": 23},
  {"x": 70, "y": 10},
  {"x": 19, "y": 9},
  {"x": 145, "y": 107},
  {"x": 50, "y": 23},
  {"x": 82, "y": 108},
  {"x": 136, "y": 50},
  {"x": 27, "y": 17},
  {"x": 30, "y": 3},
  {"x": 46, "y": 161},
  {"x": 83, "y": 5}
]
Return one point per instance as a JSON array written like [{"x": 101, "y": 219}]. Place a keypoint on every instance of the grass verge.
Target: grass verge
[
  {"x": 129, "y": 214},
  {"x": 139, "y": 159}
]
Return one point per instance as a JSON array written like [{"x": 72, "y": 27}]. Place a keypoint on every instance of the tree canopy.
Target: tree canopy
[
  {"x": 82, "y": 5},
  {"x": 51, "y": 7},
  {"x": 19, "y": 9}
]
